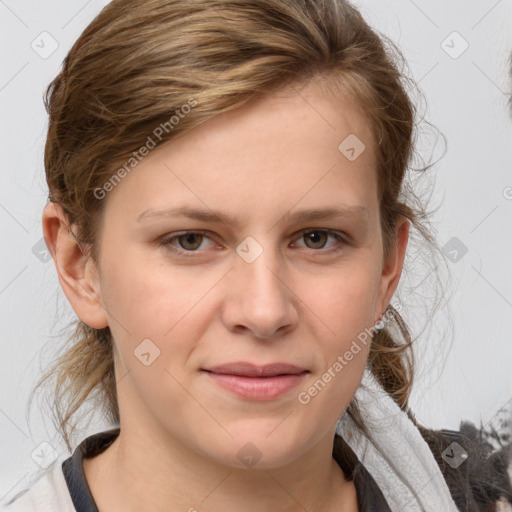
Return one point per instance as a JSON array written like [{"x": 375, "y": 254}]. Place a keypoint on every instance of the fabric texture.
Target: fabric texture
[
  {"x": 48, "y": 492},
  {"x": 395, "y": 453}
]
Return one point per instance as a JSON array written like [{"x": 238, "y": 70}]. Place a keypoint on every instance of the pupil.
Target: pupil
[
  {"x": 314, "y": 235},
  {"x": 190, "y": 237}
]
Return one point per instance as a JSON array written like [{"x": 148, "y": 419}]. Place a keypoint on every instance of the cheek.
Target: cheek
[
  {"x": 343, "y": 302},
  {"x": 171, "y": 307},
  {"x": 156, "y": 317},
  {"x": 344, "y": 339},
  {"x": 145, "y": 296},
  {"x": 340, "y": 310}
]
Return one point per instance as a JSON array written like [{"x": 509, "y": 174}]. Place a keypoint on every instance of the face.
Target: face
[{"x": 257, "y": 283}]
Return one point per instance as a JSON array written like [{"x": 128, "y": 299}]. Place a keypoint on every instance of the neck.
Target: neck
[{"x": 141, "y": 472}]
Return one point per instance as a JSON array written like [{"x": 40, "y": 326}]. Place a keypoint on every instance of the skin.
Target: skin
[{"x": 296, "y": 303}]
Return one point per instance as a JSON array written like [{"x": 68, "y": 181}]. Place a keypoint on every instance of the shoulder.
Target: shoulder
[
  {"x": 63, "y": 483},
  {"x": 47, "y": 492},
  {"x": 477, "y": 471}
]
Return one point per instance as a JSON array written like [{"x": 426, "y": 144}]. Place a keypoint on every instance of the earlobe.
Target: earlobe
[{"x": 75, "y": 269}]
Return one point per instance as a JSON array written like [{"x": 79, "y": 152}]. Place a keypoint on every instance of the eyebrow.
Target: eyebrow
[{"x": 353, "y": 212}]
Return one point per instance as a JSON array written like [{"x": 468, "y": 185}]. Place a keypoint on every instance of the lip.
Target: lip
[
  {"x": 245, "y": 369},
  {"x": 256, "y": 382}
]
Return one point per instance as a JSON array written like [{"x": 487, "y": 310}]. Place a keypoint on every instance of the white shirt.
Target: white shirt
[{"x": 49, "y": 493}]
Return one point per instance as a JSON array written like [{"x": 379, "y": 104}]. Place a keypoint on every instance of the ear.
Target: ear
[
  {"x": 77, "y": 273},
  {"x": 392, "y": 269}
]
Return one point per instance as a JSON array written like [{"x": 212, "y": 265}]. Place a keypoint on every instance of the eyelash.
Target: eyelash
[{"x": 166, "y": 242}]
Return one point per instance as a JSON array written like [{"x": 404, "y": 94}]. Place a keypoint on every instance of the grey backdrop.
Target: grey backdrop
[{"x": 457, "y": 50}]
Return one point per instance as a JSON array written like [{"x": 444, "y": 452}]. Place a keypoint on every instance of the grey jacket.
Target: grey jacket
[{"x": 482, "y": 483}]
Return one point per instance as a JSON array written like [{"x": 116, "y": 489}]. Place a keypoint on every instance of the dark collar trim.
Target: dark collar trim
[
  {"x": 73, "y": 469},
  {"x": 369, "y": 496}
]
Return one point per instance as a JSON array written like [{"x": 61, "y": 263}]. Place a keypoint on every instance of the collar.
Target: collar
[
  {"x": 74, "y": 471},
  {"x": 369, "y": 496}
]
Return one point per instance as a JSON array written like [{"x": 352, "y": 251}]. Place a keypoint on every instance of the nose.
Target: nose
[{"x": 261, "y": 297}]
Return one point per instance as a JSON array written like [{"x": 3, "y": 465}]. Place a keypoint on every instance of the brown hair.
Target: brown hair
[{"x": 140, "y": 61}]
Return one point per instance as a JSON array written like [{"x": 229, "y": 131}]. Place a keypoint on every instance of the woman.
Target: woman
[{"x": 226, "y": 220}]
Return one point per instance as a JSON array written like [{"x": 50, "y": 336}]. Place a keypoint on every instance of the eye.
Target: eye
[
  {"x": 190, "y": 242},
  {"x": 318, "y": 237}
]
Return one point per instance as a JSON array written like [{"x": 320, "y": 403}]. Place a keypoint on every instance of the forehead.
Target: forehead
[{"x": 283, "y": 149}]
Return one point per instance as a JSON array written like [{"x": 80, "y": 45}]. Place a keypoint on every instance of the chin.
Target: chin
[{"x": 261, "y": 448}]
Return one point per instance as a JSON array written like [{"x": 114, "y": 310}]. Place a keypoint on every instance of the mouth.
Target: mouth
[{"x": 253, "y": 382}]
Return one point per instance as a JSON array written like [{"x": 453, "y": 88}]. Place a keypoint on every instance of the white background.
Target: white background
[{"x": 464, "y": 366}]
